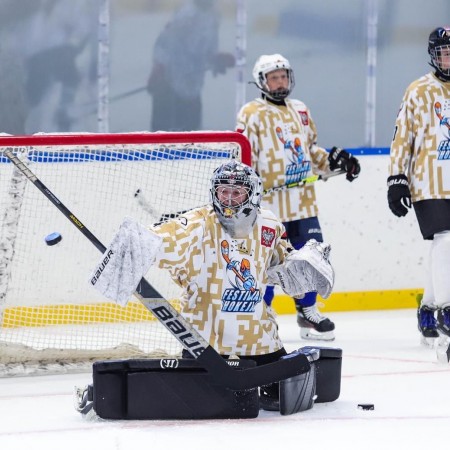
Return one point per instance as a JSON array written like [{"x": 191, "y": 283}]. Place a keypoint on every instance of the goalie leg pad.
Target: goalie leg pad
[
  {"x": 167, "y": 389},
  {"x": 321, "y": 384},
  {"x": 328, "y": 373},
  {"x": 297, "y": 393}
]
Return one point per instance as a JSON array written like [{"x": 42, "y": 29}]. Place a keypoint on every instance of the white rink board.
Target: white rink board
[{"x": 371, "y": 248}]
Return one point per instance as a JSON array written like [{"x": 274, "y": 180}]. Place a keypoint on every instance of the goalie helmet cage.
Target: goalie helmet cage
[{"x": 50, "y": 318}]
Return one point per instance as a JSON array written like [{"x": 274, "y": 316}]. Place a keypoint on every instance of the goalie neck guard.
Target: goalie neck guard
[{"x": 236, "y": 195}]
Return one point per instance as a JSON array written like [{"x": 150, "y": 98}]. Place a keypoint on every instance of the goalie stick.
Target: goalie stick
[
  {"x": 176, "y": 324},
  {"x": 148, "y": 208}
]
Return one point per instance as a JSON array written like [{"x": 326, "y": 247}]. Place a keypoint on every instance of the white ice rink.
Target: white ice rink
[{"x": 383, "y": 364}]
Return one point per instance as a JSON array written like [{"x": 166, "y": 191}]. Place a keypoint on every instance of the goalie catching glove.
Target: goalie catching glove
[
  {"x": 128, "y": 258},
  {"x": 305, "y": 270},
  {"x": 345, "y": 161}
]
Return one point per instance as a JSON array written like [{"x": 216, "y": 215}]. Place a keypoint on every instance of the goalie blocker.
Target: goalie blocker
[{"x": 182, "y": 389}]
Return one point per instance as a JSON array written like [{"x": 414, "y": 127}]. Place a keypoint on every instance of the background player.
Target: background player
[
  {"x": 284, "y": 150},
  {"x": 420, "y": 172}
]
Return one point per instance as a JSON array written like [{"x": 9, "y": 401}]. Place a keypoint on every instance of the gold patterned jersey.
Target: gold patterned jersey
[
  {"x": 224, "y": 279},
  {"x": 284, "y": 151},
  {"x": 421, "y": 145}
]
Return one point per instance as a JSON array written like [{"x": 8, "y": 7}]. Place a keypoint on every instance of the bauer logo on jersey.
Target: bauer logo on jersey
[
  {"x": 267, "y": 236},
  {"x": 304, "y": 117},
  {"x": 244, "y": 294}
]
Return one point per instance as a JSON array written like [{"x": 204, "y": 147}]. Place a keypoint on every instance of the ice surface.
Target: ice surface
[{"x": 383, "y": 364}]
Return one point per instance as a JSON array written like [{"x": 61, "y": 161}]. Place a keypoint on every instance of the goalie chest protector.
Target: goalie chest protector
[{"x": 167, "y": 389}]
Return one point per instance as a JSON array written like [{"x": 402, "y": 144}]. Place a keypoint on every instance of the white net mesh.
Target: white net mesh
[{"x": 48, "y": 311}]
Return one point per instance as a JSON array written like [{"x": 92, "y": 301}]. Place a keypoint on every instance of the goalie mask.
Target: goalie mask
[
  {"x": 266, "y": 64},
  {"x": 439, "y": 51},
  {"x": 236, "y": 196}
]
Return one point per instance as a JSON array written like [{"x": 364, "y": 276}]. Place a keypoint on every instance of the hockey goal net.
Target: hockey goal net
[{"x": 49, "y": 314}]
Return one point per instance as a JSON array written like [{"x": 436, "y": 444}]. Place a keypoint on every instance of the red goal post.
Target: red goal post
[{"x": 48, "y": 313}]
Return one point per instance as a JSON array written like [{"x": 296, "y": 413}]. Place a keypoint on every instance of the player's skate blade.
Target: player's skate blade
[
  {"x": 313, "y": 335},
  {"x": 443, "y": 350},
  {"x": 427, "y": 342},
  {"x": 313, "y": 325}
]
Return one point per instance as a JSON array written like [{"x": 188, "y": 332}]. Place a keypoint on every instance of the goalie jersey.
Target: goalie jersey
[
  {"x": 421, "y": 145},
  {"x": 284, "y": 151},
  {"x": 224, "y": 278}
]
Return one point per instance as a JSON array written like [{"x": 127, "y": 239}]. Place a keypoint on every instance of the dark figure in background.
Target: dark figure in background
[
  {"x": 184, "y": 51},
  {"x": 12, "y": 94},
  {"x": 54, "y": 42}
]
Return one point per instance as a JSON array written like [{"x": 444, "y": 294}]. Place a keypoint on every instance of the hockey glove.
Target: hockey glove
[
  {"x": 343, "y": 160},
  {"x": 399, "y": 195},
  {"x": 305, "y": 270},
  {"x": 128, "y": 258}
]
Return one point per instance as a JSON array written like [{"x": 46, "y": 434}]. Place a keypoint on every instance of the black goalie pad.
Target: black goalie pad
[
  {"x": 320, "y": 384},
  {"x": 328, "y": 373},
  {"x": 297, "y": 393},
  {"x": 167, "y": 389}
]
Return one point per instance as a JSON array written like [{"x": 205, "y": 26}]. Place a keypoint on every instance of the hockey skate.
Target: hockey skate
[
  {"x": 443, "y": 327},
  {"x": 427, "y": 325},
  {"x": 313, "y": 325}
]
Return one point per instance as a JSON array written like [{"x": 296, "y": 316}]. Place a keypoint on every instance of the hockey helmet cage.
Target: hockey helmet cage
[
  {"x": 237, "y": 218},
  {"x": 439, "y": 46},
  {"x": 266, "y": 64}
]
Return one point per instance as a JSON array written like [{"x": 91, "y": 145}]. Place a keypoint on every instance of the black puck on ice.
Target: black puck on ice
[
  {"x": 366, "y": 406},
  {"x": 53, "y": 239}
]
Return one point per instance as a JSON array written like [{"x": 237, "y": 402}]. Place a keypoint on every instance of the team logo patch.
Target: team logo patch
[
  {"x": 304, "y": 117},
  {"x": 267, "y": 236}
]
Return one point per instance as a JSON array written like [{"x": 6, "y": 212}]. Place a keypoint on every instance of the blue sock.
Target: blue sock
[
  {"x": 269, "y": 294},
  {"x": 308, "y": 300}
]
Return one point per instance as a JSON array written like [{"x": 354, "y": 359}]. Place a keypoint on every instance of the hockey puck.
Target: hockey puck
[
  {"x": 53, "y": 239},
  {"x": 366, "y": 406}
]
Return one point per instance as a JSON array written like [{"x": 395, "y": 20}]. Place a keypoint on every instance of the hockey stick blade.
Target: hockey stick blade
[{"x": 175, "y": 323}]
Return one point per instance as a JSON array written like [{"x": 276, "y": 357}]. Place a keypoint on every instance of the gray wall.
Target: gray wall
[{"x": 325, "y": 41}]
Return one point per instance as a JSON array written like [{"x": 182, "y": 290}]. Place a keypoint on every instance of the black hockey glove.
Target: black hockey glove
[
  {"x": 399, "y": 195},
  {"x": 343, "y": 160}
]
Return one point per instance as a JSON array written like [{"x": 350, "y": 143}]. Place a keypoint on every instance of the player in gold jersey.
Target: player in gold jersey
[
  {"x": 283, "y": 138},
  {"x": 223, "y": 255},
  {"x": 420, "y": 174}
]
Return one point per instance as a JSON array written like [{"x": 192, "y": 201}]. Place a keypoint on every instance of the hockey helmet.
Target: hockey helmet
[
  {"x": 439, "y": 46},
  {"x": 235, "y": 194},
  {"x": 266, "y": 64}
]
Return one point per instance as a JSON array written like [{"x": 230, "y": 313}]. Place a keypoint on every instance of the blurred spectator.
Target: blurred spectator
[
  {"x": 183, "y": 52},
  {"x": 12, "y": 94},
  {"x": 56, "y": 42}
]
